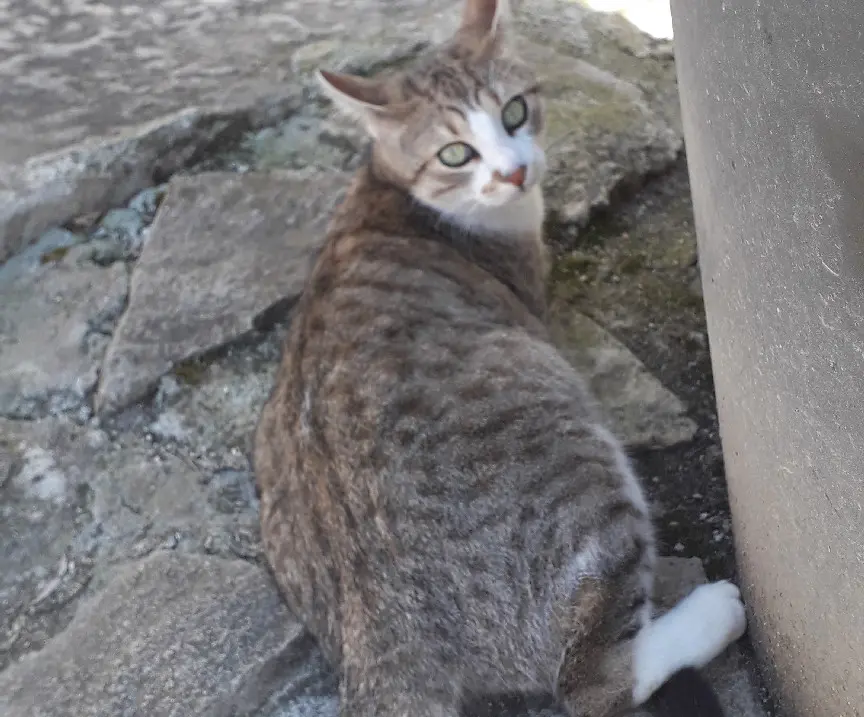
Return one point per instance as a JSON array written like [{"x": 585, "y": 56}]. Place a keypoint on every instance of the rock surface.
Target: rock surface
[
  {"x": 54, "y": 328},
  {"x": 76, "y": 502},
  {"x": 225, "y": 251},
  {"x": 43, "y": 508},
  {"x": 642, "y": 412},
  {"x": 170, "y": 635}
]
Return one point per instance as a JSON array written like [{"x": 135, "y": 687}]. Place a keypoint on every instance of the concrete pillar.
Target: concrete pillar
[{"x": 773, "y": 102}]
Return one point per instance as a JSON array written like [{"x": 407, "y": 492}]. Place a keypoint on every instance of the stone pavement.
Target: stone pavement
[{"x": 140, "y": 332}]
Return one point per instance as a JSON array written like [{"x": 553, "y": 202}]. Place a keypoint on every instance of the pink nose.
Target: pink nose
[{"x": 516, "y": 178}]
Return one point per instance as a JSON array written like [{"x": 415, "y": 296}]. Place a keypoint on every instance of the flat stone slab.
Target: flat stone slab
[
  {"x": 643, "y": 413},
  {"x": 42, "y": 511},
  {"x": 225, "y": 251},
  {"x": 76, "y": 502},
  {"x": 170, "y": 636},
  {"x": 54, "y": 325}
]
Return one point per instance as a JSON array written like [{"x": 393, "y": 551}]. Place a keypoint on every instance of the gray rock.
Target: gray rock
[
  {"x": 102, "y": 251},
  {"x": 145, "y": 498},
  {"x": 611, "y": 119},
  {"x": 172, "y": 635},
  {"x": 124, "y": 223},
  {"x": 147, "y": 202},
  {"x": 43, "y": 507},
  {"x": 225, "y": 252},
  {"x": 213, "y": 415},
  {"x": 120, "y": 233},
  {"x": 50, "y": 248},
  {"x": 106, "y": 172},
  {"x": 52, "y": 335},
  {"x": 643, "y": 413},
  {"x": 75, "y": 502}
]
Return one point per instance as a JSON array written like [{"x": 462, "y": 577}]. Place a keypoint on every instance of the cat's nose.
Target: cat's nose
[{"x": 516, "y": 177}]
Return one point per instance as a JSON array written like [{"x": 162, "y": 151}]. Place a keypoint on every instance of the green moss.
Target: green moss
[
  {"x": 575, "y": 263},
  {"x": 191, "y": 372},
  {"x": 631, "y": 264},
  {"x": 55, "y": 255}
]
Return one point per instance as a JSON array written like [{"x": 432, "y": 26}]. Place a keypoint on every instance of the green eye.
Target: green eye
[
  {"x": 456, "y": 154},
  {"x": 514, "y": 114}
]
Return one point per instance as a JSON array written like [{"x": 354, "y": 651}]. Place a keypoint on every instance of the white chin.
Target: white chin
[{"x": 503, "y": 196}]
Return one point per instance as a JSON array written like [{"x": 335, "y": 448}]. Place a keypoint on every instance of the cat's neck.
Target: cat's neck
[{"x": 504, "y": 241}]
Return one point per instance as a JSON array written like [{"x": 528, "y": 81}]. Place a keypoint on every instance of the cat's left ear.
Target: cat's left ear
[
  {"x": 484, "y": 23},
  {"x": 365, "y": 99}
]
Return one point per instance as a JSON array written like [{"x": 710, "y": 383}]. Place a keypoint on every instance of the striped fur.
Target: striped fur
[{"x": 439, "y": 503}]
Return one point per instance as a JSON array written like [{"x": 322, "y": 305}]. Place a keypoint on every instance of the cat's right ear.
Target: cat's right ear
[{"x": 363, "y": 98}]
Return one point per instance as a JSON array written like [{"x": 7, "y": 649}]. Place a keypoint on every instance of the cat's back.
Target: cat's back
[{"x": 410, "y": 375}]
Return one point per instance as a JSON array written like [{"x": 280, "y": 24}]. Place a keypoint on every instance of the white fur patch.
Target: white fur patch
[
  {"x": 632, "y": 487},
  {"x": 523, "y": 215},
  {"x": 500, "y": 152},
  {"x": 691, "y": 634}
]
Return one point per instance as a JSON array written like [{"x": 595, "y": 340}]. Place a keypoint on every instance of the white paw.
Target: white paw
[
  {"x": 714, "y": 617},
  {"x": 692, "y": 634}
]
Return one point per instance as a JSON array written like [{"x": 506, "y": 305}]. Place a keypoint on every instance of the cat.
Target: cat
[{"x": 439, "y": 502}]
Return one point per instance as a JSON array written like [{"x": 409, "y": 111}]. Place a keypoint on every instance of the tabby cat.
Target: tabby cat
[{"x": 439, "y": 502}]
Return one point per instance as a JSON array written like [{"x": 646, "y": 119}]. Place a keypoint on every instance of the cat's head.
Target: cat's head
[{"x": 462, "y": 129}]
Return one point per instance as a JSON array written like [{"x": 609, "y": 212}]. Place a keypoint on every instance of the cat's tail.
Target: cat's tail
[{"x": 686, "y": 694}]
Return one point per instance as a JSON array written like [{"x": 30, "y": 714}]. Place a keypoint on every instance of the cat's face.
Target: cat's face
[
  {"x": 462, "y": 130},
  {"x": 475, "y": 136}
]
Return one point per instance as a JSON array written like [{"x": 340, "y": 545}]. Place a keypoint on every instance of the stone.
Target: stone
[
  {"x": 42, "y": 508},
  {"x": 50, "y": 248},
  {"x": 75, "y": 502},
  {"x": 125, "y": 223},
  {"x": 643, "y": 413},
  {"x": 105, "y": 172},
  {"x": 612, "y": 118},
  {"x": 53, "y": 333},
  {"x": 147, "y": 202},
  {"x": 212, "y": 414},
  {"x": 226, "y": 252},
  {"x": 173, "y": 635},
  {"x": 145, "y": 497},
  {"x": 120, "y": 233}
]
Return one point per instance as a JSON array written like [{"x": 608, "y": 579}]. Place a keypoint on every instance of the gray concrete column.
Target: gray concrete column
[{"x": 773, "y": 101}]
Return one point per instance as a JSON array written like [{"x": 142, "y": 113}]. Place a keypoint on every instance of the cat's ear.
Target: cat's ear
[
  {"x": 485, "y": 22},
  {"x": 363, "y": 98}
]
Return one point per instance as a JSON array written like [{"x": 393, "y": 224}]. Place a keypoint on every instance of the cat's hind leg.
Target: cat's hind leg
[{"x": 612, "y": 662}]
